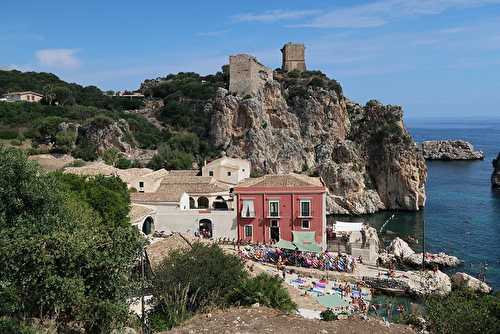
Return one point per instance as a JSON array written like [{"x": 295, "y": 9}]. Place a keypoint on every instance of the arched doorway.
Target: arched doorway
[
  {"x": 148, "y": 227},
  {"x": 192, "y": 203},
  {"x": 202, "y": 203},
  {"x": 206, "y": 228},
  {"x": 220, "y": 203}
]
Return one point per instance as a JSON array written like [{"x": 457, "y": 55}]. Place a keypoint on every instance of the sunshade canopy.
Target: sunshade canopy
[
  {"x": 302, "y": 241},
  {"x": 347, "y": 226}
]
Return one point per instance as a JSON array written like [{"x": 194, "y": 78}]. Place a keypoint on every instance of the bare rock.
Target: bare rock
[
  {"x": 400, "y": 249},
  {"x": 426, "y": 283},
  {"x": 464, "y": 280},
  {"x": 449, "y": 150},
  {"x": 495, "y": 177},
  {"x": 105, "y": 133},
  {"x": 441, "y": 260},
  {"x": 365, "y": 155}
]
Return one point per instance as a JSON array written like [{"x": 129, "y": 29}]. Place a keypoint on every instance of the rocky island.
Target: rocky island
[
  {"x": 449, "y": 150},
  {"x": 495, "y": 177}
]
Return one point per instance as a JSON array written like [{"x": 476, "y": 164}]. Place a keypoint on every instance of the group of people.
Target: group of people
[{"x": 323, "y": 261}]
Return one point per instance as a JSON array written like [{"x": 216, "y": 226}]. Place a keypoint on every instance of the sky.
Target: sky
[{"x": 436, "y": 58}]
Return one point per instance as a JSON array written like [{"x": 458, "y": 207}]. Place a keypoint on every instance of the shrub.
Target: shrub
[
  {"x": 16, "y": 142},
  {"x": 76, "y": 163},
  {"x": 123, "y": 163},
  {"x": 266, "y": 290},
  {"x": 175, "y": 308},
  {"x": 8, "y": 134},
  {"x": 328, "y": 315},
  {"x": 463, "y": 311},
  {"x": 211, "y": 275}
]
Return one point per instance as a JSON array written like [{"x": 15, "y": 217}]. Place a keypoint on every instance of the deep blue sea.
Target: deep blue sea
[{"x": 462, "y": 213}]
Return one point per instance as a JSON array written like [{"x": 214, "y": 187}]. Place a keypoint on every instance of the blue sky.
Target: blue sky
[{"x": 436, "y": 58}]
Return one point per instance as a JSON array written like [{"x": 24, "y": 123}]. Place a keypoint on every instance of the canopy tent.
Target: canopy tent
[
  {"x": 285, "y": 244},
  {"x": 347, "y": 226},
  {"x": 302, "y": 241},
  {"x": 332, "y": 301}
]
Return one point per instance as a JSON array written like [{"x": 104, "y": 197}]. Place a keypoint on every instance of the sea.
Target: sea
[{"x": 462, "y": 213}]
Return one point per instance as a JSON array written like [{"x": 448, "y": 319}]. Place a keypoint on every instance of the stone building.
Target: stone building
[
  {"x": 246, "y": 75},
  {"x": 293, "y": 57}
]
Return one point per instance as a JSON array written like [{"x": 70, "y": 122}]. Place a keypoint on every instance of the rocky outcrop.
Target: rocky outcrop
[
  {"x": 449, "y": 150},
  {"x": 441, "y": 260},
  {"x": 103, "y": 133},
  {"x": 495, "y": 177},
  {"x": 425, "y": 283},
  {"x": 398, "y": 251},
  {"x": 415, "y": 283},
  {"x": 463, "y": 280},
  {"x": 364, "y": 153}
]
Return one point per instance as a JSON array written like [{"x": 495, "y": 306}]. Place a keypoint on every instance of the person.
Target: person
[{"x": 284, "y": 272}]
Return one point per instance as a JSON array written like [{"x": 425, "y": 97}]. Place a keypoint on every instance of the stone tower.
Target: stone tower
[
  {"x": 293, "y": 57},
  {"x": 246, "y": 75}
]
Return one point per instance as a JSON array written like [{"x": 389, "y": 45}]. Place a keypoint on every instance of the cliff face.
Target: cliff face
[
  {"x": 364, "y": 154},
  {"x": 495, "y": 177}
]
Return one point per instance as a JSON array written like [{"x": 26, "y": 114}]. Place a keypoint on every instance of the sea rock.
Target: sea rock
[
  {"x": 415, "y": 283},
  {"x": 464, "y": 280},
  {"x": 449, "y": 150},
  {"x": 400, "y": 249},
  {"x": 495, "y": 177},
  {"x": 426, "y": 283},
  {"x": 440, "y": 259},
  {"x": 364, "y": 153}
]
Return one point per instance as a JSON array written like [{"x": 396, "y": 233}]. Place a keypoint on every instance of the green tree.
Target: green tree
[
  {"x": 66, "y": 246},
  {"x": 463, "y": 311},
  {"x": 111, "y": 156}
]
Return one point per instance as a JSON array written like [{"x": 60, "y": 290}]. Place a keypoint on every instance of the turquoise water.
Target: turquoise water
[{"x": 462, "y": 213}]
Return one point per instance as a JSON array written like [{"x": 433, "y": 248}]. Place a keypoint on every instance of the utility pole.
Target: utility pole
[
  {"x": 143, "y": 318},
  {"x": 423, "y": 245}
]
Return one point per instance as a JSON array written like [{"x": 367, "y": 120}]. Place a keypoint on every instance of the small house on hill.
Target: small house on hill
[
  {"x": 27, "y": 96},
  {"x": 227, "y": 170}
]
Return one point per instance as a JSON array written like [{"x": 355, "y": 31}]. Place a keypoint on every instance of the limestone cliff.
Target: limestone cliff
[{"x": 364, "y": 153}]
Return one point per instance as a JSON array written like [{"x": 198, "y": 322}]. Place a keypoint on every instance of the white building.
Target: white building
[
  {"x": 190, "y": 205},
  {"x": 27, "y": 96},
  {"x": 227, "y": 170}
]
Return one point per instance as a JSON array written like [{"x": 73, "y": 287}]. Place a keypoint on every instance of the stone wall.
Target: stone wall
[
  {"x": 246, "y": 75},
  {"x": 293, "y": 57}
]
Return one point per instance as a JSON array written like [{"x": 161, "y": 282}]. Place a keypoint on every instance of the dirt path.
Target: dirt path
[{"x": 265, "y": 320}]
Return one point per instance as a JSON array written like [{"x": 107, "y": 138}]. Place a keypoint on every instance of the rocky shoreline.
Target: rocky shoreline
[
  {"x": 449, "y": 150},
  {"x": 495, "y": 177}
]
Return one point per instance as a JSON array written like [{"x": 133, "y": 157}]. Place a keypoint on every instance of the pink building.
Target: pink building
[{"x": 269, "y": 208}]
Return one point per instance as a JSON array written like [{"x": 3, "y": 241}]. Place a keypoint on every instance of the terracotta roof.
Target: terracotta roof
[
  {"x": 23, "y": 93},
  {"x": 174, "y": 195},
  {"x": 160, "y": 249},
  {"x": 139, "y": 211},
  {"x": 286, "y": 180},
  {"x": 192, "y": 185},
  {"x": 184, "y": 172}
]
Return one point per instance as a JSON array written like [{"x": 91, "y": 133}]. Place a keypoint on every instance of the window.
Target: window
[
  {"x": 141, "y": 184},
  {"x": 275, "y": 223},
  {"x": 228, "y": 173},
  {"x": 306, "y": 224},
  {"x": 243, "y": 170},
  {"x": 305, "y": 208},
  {"x": 274, "y": 208},
  {"x": 247, "y": 209},
  {"x": 211, "y": 173},
  {"x": 248, "y": 231}
]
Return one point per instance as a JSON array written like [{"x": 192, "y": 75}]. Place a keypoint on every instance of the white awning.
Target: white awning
[{"x": 347, "y": 226}]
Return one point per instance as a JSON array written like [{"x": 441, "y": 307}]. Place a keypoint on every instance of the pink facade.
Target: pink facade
[{"x": 273, "y": 212}]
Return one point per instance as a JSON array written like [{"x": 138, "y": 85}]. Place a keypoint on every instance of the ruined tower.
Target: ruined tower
[
  {"x": 246, "y": 75},
  {"x": 293, "y": 57}
]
